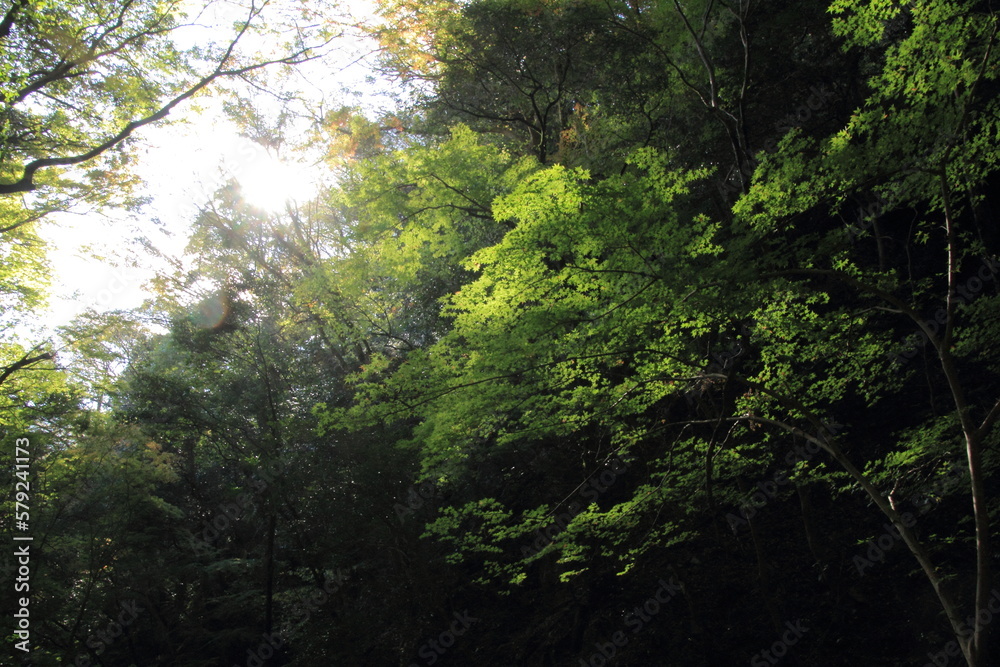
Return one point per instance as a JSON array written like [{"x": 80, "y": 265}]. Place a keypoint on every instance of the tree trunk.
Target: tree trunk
[{"x": 269, "y": 577}]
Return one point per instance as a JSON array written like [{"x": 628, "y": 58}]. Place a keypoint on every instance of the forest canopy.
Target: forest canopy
[{"x": 614, "y": 333}]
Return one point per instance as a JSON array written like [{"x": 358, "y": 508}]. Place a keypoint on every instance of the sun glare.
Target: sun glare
[
  {"x": 270, "y": 183},
  {"x": 183, "y": 165}
]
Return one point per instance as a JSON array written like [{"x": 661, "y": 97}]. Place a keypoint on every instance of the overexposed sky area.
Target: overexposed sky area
[{"x": 96, "y": 259}]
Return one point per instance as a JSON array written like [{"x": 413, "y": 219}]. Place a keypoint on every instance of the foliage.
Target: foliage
[{"x": 591, "y": 313}]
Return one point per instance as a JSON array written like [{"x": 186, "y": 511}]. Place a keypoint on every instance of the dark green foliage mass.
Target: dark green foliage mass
[{"x": 648, "y": 333}]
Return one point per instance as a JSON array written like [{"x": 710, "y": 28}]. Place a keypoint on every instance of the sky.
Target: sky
[{"x": 96, "y": 258}]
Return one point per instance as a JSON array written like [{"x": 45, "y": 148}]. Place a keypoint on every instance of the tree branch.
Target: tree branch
[
  {"x": 10, "y": 17},
  {"x": 24, "y": 362},
  {"x": 26, "y": 182}
]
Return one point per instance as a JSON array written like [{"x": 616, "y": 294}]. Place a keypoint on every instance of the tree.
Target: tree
[
  {"x": 730, "y": 328},
  {"x": 608, "y": 302},
  {"x": 525, "y": 71},
  {"x": 77, "y": 80},
  {"x": 80, "y": 79},
  {"x": 917, "y": 142}
]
